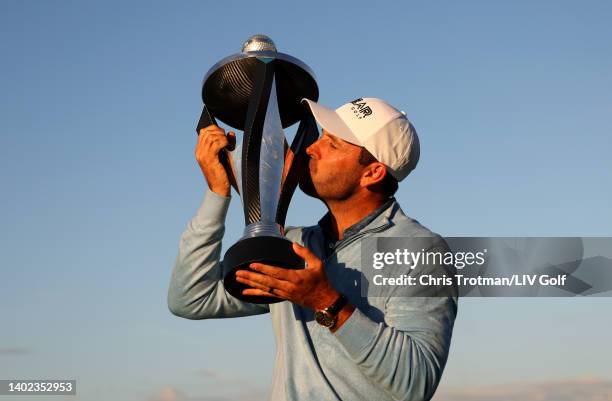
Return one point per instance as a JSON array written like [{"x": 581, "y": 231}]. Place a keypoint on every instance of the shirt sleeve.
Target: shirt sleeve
[
  {"x": 196, "y": 285},
  {"x": 406, "y": 353}
]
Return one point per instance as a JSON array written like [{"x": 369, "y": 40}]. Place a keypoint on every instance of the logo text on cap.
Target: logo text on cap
[{"x": 360, "y": 108}]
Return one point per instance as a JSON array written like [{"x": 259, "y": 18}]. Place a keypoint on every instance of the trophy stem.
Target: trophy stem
[
  {"x": 251, "y": 144},
  {"x": 262, "y": 228}
]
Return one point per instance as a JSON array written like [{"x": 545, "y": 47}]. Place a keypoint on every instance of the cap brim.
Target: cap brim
[{"x": 329, "y": 120}]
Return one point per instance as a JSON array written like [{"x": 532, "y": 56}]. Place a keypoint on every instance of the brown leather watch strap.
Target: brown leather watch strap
[{"x": 337, "y": 306}]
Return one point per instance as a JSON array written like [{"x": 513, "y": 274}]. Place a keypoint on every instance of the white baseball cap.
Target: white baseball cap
[{"x": 377, "y": 126}]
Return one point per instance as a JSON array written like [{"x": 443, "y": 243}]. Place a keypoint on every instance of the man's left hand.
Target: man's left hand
[{"x": 308, "y": 287}]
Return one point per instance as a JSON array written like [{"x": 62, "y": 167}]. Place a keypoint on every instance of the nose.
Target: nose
[{"x": 313, "y": 150}]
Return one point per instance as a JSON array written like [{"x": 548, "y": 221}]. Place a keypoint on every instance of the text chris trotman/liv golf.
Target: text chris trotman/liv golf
[{"x": 412, "y": 260}]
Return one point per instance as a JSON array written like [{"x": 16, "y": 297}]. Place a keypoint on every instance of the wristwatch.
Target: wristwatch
[{"x": 329, "y": 316}]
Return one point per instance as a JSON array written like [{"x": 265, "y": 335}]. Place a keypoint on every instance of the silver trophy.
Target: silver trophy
[{"x": 259, "y": 92}]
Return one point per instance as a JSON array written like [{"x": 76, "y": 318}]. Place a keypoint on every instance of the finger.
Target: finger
[
  {"x": 216, "y": 143},
  {"x": 252, "y": 284},
  {"x": 221, "y": 141},
  {"x": 275, "y": 292},
  {"x": 212, "y": 136},
  {"x": 211, "y": 128},
  {"x": 207, "y": 136},
  {"x": 231, "y": 141},
  {"x": 310, "y": 258},
  {"x": 276, "y": 272},
  {"x": 257, "y": 292},
  {"x": 262, "y": 279},
  {"x": 201, "y": 137}
]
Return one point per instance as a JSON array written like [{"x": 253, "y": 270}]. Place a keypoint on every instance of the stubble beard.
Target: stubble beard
[{"x": 335, "y": 187}]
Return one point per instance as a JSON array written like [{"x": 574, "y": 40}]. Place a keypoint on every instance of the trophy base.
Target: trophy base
[{"x": 275, "y": 251}]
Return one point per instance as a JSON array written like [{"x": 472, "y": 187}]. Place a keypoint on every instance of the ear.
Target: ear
[{"x": 373, "y": 174}]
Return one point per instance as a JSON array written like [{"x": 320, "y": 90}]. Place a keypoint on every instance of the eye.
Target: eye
[{"x": 332, "y": 143}]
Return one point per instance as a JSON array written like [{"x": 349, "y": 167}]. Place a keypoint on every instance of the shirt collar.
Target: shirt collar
[{"x": 325, "y": 221}]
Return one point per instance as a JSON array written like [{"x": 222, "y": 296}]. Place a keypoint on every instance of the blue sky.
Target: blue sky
[{"x": 512, "y": 102}]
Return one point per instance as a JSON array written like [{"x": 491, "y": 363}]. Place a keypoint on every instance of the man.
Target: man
[{"x": 332, "y": 342}]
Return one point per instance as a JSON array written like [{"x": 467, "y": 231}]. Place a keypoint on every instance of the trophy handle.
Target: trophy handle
[
  {"x": 225, "y": 157},
  {"x": 295, "y": 164}
]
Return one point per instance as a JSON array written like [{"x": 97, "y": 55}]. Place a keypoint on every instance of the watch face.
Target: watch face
[{"x": 325, "y": 319}]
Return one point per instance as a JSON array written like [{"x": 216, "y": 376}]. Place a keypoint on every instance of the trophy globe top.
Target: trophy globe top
[{"x": 258, "y": 43}]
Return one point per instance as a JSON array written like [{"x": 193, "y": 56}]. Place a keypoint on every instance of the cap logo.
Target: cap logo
[{"x": 360, "y": 108}]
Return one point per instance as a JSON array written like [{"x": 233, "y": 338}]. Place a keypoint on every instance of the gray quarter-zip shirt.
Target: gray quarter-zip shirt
[{"x": 391, "y": 348}]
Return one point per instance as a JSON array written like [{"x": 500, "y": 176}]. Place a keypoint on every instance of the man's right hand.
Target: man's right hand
[{"x": 211, "y": 141}]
